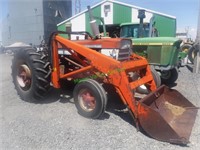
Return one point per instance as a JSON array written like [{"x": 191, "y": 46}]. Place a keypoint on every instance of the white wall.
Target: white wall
[
  {"x": 78, "y": 24},
  {"x": 108, "y": 18}
]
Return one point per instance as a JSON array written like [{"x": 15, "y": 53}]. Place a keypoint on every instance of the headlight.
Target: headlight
[
  {"x": 125, "y": 50},
  {"x": 111, "y": 53},
  {"x": 126, "y": 44},
  {"x": 121, "y": 54}
]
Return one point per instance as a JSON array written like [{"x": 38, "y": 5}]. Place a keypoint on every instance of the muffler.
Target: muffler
[{"x": 166, "y": 115}]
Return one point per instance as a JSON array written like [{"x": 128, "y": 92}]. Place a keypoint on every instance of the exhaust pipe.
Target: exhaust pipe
[
  {"x": 141, "y": 16},
  {"x": 93, "y": 24}
]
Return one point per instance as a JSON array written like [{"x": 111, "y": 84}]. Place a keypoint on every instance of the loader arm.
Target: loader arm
[{"x": 105, "y": 65}]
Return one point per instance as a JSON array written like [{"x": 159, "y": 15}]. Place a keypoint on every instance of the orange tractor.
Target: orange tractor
[{"x": 164, "y": 114}]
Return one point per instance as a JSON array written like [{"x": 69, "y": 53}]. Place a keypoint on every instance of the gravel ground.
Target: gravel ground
[{"x": 55, "y": 124}]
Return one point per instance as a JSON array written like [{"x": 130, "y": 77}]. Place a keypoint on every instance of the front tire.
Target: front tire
[
  {"x": 156, "y": 77},
  {"x": 31, "y": 74},
  {"x": 170, "y": 76},
  {"x": 90, "y": 99},
  {"x": 143, "y": 89}
]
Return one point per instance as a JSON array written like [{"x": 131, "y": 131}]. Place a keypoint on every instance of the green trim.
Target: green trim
[
  {"x": 153, "y": 43},
  {"x": 165, "y": 26},
  {"x": 62, "y": 28},
  {"x": 131, "y": 23},
  {"x": 156, "y": 41},
  {"x": 121, "y": 13}
]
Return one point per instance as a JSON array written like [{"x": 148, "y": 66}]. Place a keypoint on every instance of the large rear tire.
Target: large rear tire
[
  {"x": 90, "y": 99},
  {"x": 31, "y": 74}
]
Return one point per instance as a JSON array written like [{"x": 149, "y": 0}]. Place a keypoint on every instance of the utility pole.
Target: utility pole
[
  {"x": 77, "y": 7},
  {"x": 187, "y": 32},
  {"x": 198, "y": 27},
  {"x": 196, "y": 68}
]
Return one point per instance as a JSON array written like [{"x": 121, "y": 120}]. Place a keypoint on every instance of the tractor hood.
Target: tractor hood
[
  {"x": 162, "y": 52},
  {"x": 157, "y": 41},
  {"x": 117, "y": 48},
  {"x": 109, "y": 43}
]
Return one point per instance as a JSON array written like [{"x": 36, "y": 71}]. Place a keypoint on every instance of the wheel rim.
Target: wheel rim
[
  {"x": 185, "y": 50},
  {"x": 193, "y": 54},
  {"x": 166, "y": 74},
  {"x": 24, "y": 77},
  {"x": 86, "y": 100}
]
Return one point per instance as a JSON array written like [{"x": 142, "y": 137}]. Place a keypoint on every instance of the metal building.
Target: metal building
[
  {"x": 31, "y": 21},
  {"x": 116, "y": 13}
]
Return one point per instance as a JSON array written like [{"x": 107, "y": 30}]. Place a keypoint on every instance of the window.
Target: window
[{"x": 106, "y": 10}]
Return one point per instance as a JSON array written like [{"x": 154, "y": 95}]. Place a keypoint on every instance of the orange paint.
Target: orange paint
[{"x": 94, "y": 61}]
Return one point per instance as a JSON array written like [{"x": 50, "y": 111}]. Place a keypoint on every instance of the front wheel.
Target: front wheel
[
  {"x": 90, "y": 99},
  {"x": 156, "y": 77},
  {"x": 169, "y": 76},
  {"x": 143, "y": 89}
]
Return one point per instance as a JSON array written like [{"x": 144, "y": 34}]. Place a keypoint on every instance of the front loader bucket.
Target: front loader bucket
[{"x": 166, "y": 115}]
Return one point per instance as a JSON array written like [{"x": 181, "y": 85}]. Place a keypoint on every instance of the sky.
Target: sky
[
  {"x": 186, "y": 11},
  {"x": 0, "y": 20}
]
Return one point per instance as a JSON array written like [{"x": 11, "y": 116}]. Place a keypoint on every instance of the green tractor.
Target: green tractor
[{"x": 162, "y": 53}]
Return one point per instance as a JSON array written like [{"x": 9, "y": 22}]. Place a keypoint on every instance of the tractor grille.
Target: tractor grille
[{"x": 124, "y": 54}]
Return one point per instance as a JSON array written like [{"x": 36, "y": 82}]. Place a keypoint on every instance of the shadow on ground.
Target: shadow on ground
[{"x": 189, "y": 67}]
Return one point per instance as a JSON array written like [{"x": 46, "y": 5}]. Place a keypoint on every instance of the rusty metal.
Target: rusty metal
[
  {"x": 87, "y": 100},
  {"x": 73, "y": 62},
  {"x": 167, "y": 115}
]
